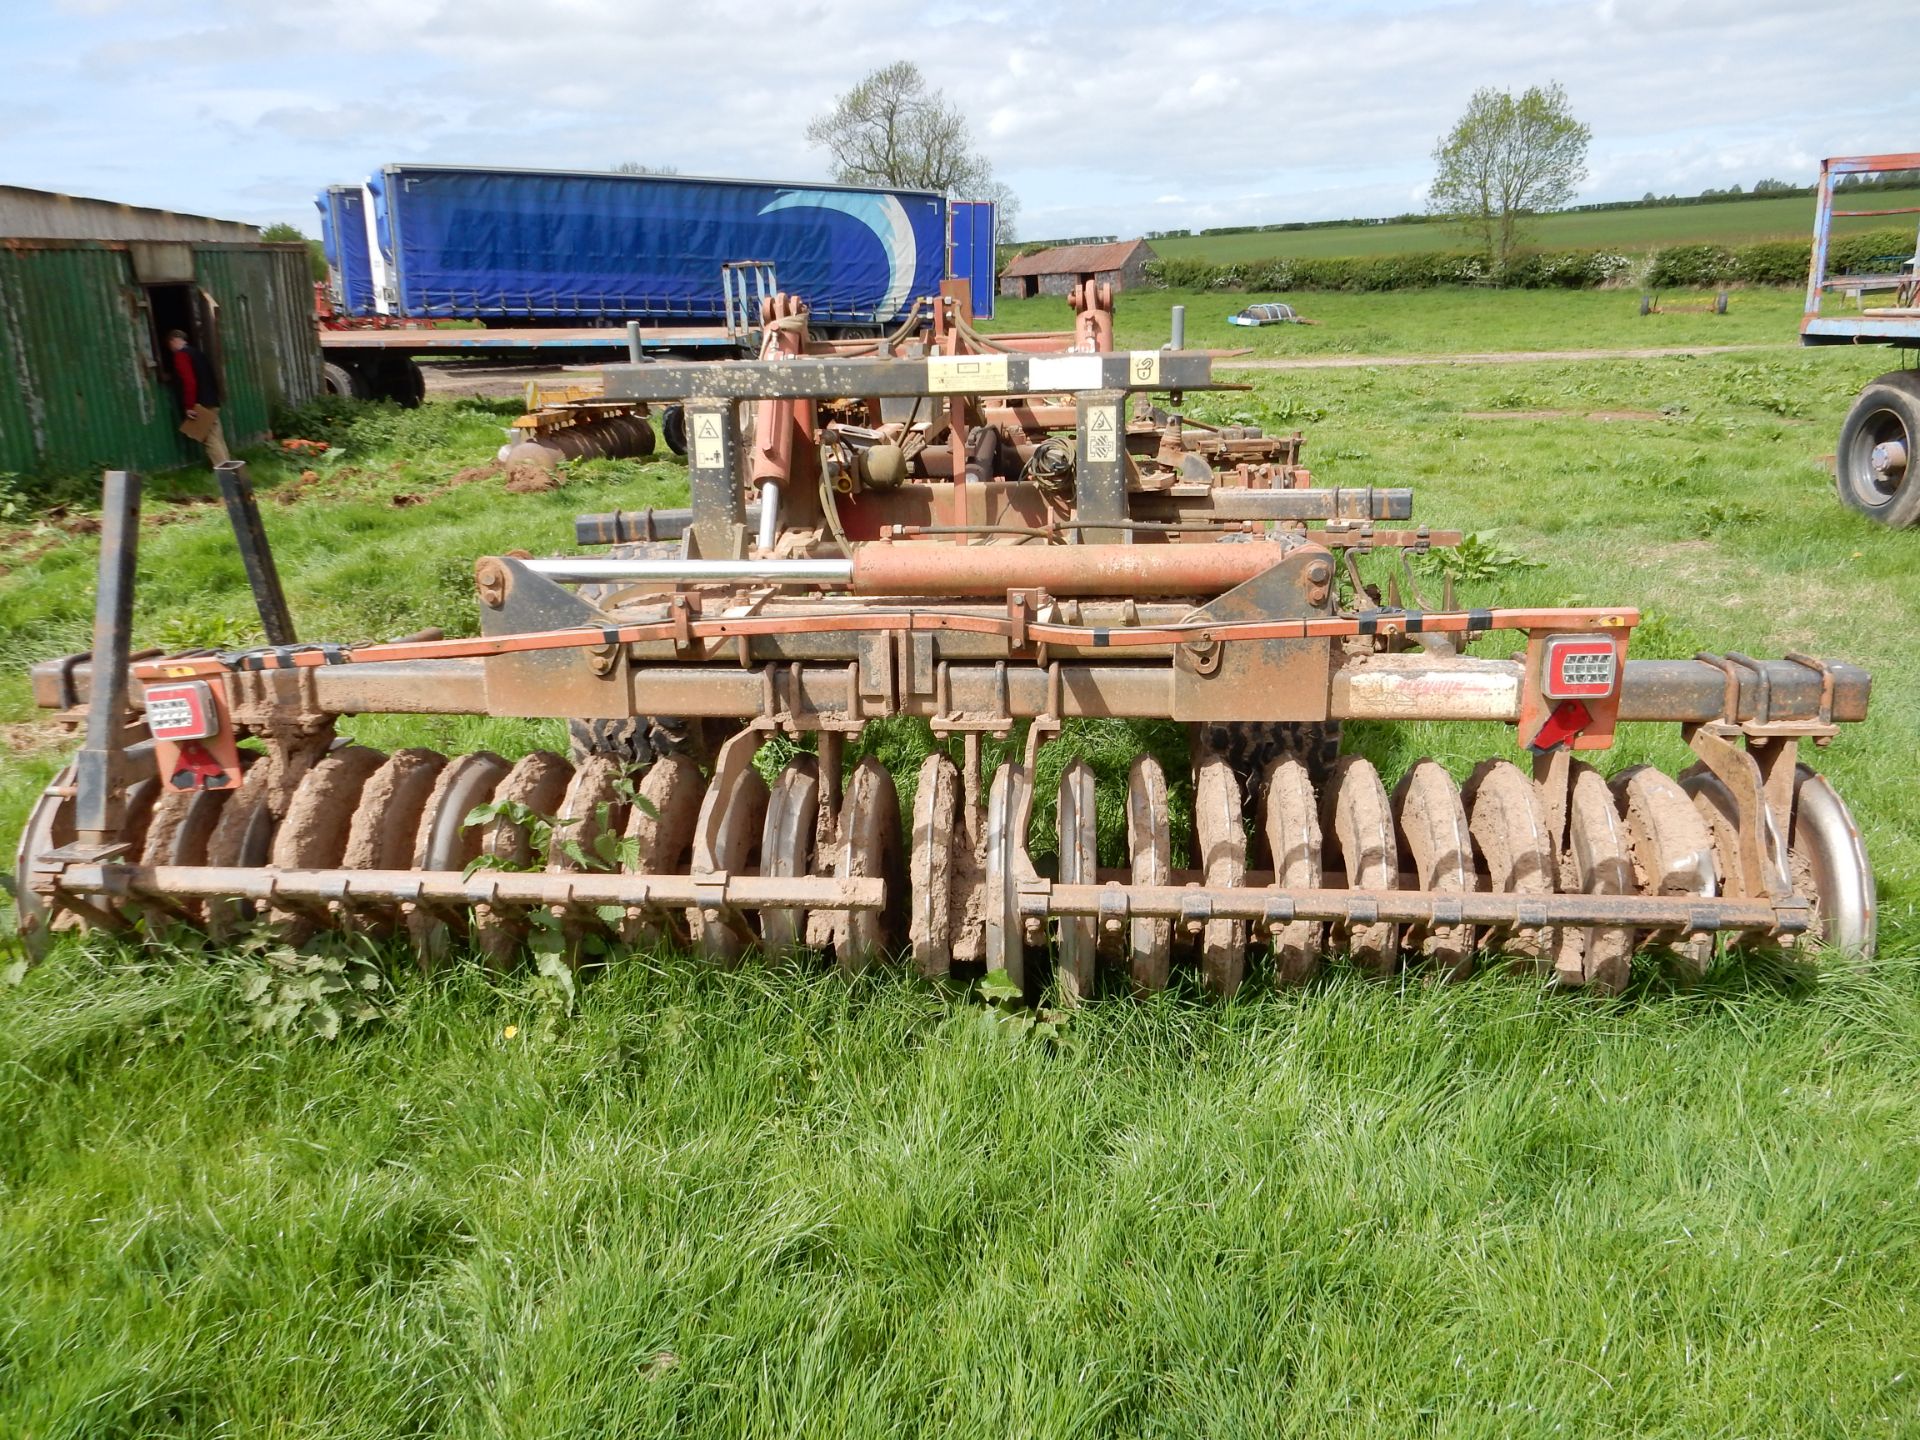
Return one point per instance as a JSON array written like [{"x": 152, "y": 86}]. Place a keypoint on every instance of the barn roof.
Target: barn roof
[{"x": 1075, "y": 259}]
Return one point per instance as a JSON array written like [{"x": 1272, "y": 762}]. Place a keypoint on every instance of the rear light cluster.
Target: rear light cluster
[
  {"x": 183, "y": 711},
  {"x": 1580, "y": 667}
]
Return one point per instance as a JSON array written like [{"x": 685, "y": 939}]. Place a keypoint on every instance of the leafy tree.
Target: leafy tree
[
  {"x": 634, "y": 167},
  {"x": 892, "y": 129},
  {"x": 1505, "y": 160},
  {"x": 281, "y": 231}
]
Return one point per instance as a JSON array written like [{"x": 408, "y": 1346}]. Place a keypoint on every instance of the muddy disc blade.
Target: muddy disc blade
[
  {"x": 1828, "y": 856},
  {"x": 1431, "y": 831},
  {"x": 938, "y": 843},
  {"x": 386, "y": 823},
  {"x": 533, "y": 791},
  {"x": 1221, "y": 837},
  {"x": 243, "y": 835},
  {"x": 320, "y": 817},
  {"x": 786, "y": 847},
  {"x": 49, "y": 826},
  {"x": 444, "y": 841},
  {"x": 1291, "y": 820},
  {"x": 1356, "y": 824},
  {"x": 1512, "y": 849},
  {"x": 1079, "y": 859},
  {"x": 1671, "y": 847},
  {"x": 1595, "y": 861},
  {"x": 586, "y": 835},
  {"x": 666, "y": 808},
  {"x": 870, "y": 847},
  {"x": 726, "y": 839},
  {"x": 1149, "y": 848}
]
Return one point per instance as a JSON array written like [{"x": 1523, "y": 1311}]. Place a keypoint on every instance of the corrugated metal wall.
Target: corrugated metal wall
[
  {"x": 270, "y": 354},
  {"x": 79, "y": 385}
]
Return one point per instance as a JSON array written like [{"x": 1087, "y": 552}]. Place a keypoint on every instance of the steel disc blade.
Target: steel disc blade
[
  {"x": 1079, "y": 934},
  {"x": 786, "y": 847},
  {"x": 1291, "y": 820},
  {"x": 1431, "y": 833},
  {"x": 1149, "y": 850},
  {"x": 1356, "y": 823},
  {"x": 726, "y": 839}
]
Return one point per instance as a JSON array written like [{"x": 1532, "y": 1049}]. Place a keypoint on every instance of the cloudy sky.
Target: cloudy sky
[{"x": 1115, "y": 117}]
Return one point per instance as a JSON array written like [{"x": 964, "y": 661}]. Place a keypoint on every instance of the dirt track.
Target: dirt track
[{"x": 1490, "y": 357}]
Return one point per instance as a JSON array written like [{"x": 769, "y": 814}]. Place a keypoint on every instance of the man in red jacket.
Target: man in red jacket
[{"x": 200, "y": 396}]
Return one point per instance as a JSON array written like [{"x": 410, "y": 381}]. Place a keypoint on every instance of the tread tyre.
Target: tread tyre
[{"x": 1878, "y": 451}]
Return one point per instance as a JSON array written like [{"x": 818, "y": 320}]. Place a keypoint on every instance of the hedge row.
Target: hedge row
[{"x": 1764, "y": 262}]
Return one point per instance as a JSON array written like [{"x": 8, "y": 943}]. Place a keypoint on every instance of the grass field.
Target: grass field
[
  {"x": 1434, "y": 322},
  {"x": 773, "y": 1203},
  {"x": 1732, "y": 222}
]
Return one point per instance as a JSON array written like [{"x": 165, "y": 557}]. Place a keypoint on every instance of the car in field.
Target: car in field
[{"x": 1265, "y": 314}]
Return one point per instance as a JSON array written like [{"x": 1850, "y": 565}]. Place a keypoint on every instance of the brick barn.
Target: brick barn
[{"x": 1122, "y": 264}]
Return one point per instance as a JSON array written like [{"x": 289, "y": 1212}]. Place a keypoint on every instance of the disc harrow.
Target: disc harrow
[{"x": 985, "y": 542}]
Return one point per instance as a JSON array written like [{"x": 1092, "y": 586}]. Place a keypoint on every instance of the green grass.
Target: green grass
[
  {"x": 1434, "y": 322},
  {"x": 774, "y": 1203},
  {"x": 1732, "y": 222}
]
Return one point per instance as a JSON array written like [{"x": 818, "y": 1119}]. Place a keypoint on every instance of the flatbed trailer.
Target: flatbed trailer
[{"x": 1876, "y": 451}]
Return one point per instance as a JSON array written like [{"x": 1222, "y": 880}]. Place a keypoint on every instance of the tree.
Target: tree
[
  {"x": 1508, "y": 159},
  {"x": 634, "y": 167},
  {"x": 280, "y": 231},
  {"x": 891, "y": 129}
]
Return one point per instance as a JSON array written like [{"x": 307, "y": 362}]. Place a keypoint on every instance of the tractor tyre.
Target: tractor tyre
[
  {"x": 339, "y": 380},
  {"x": 1879, "y": 451},
  {"x": 631, "y": 739},
  {"x": 1253, "y": 749}
]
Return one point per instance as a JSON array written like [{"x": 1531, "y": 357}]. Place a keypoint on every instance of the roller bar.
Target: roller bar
[
  {"x": 349, "y": 888},
  {"x": 815, "y": 377},
  {"x": 1276, "y": 906}
]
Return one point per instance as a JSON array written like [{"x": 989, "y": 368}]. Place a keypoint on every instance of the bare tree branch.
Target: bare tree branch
[{"x": 892, "y": 129}]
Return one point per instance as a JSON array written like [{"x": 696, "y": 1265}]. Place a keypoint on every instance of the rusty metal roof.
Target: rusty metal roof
[
  {"x": 46, "y": 215},
  {"x": 1075, "y": 259}
]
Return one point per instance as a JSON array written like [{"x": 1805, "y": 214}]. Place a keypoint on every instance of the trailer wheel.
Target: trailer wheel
[
  {"x": 401, "y": 381},
  {"x": 673, "y": 428},
  {"x": 1875, "y": 458},
  {"x": 338, "y": 380}
]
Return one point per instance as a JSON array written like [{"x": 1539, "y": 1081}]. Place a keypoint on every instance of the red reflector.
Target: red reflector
[
  {"x": 182, "y": 711},
  {"x": 1579, "y": 667}
]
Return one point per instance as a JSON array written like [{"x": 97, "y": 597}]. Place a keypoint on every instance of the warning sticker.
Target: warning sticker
[
  {"x": 966, "y": 374},
  {"x": 709, "y": 452},
  {"x": 1047, "y": 374},
  {"x": 1143, "y": 367},
  {"x": 1102, "y": 435}
]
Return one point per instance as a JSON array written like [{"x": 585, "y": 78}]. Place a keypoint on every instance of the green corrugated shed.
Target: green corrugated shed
[{"x": 81, "y": 386}]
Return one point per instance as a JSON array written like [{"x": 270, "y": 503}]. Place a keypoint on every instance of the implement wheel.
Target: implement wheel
[{"x": 1875, "y": 459}]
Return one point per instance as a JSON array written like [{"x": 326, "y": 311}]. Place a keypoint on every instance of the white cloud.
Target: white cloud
[{"x": 1100, "y": 116}]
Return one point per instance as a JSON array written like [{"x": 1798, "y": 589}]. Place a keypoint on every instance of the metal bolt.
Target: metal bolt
[
  {"x": 1032, "y": 931},
  {"x": 710, "y": 914},
  {"x": 1195, "y": 927},
  {"x": 1319, "y": 572},
  {"x": 1112, "y": 927},
  {"x": 490, "y": 577}
]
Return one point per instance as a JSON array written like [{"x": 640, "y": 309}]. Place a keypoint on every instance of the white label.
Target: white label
[
  {"x": 1047, "y": 374},
  {"x": 1101, "y": 435},
  {"x": 709, "y": 451},
  {"x": 966, "y": 374},
  {"x": 1143, "y": 367}
]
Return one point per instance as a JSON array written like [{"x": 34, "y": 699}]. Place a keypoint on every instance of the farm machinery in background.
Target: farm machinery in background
[
  {"x": 999, "y": 537},
  {"x": 1879, "y": 445}
]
